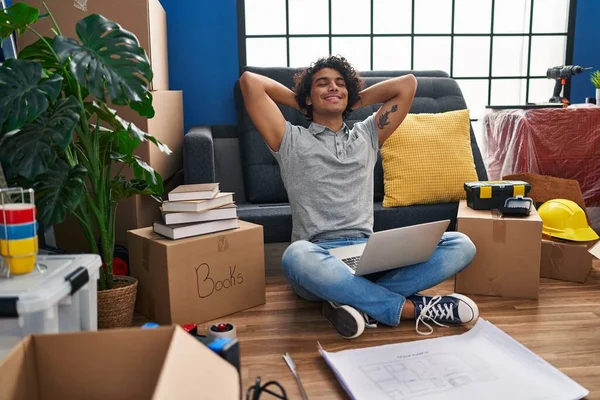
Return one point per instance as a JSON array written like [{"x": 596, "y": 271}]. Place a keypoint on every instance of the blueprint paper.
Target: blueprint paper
[{"x": 484, "y": 363}]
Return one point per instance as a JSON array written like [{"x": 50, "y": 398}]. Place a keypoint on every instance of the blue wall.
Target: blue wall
[
  {"x": 203, "y": 55},
  {"x": 203, "y": 58},
  {"x": 586, "y": 51}
]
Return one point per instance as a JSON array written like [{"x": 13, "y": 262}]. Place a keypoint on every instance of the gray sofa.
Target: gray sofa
[{"x": 237, "y": 157}]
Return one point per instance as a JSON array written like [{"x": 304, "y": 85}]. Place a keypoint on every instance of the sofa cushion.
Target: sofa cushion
[
  {"x": 262, "y": 178},
  {"x": 428, "y": 159},
  {"x": 396, "y": 217},
  {"x": 277, "y": 218}
]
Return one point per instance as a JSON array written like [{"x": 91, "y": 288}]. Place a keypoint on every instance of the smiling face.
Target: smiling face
[{"x": 328, "y": 93}]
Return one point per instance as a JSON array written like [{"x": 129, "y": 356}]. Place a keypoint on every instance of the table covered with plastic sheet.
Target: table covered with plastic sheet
[{"x": 559, "y": 142}]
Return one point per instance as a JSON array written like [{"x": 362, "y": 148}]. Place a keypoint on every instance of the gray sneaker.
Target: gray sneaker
[{"x": 348, "y": 321}]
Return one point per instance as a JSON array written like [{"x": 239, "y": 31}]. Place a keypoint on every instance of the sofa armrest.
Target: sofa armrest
[{"x": 199, "y": 156}]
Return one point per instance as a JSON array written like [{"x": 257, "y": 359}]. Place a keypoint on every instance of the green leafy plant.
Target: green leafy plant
[
  {"x": 58, "y": 134},
  {"x": 595, "y": 78}
]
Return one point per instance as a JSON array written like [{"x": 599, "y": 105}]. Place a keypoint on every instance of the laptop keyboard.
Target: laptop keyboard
[{"x": 352, "y": 262}]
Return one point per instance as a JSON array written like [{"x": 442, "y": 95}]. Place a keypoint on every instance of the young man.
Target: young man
[{"x": 327, "y": 170}]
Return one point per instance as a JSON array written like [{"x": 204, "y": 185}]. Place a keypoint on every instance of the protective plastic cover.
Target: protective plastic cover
[{"x": 559, "y": 142}]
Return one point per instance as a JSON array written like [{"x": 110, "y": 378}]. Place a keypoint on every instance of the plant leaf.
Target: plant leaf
[
  {"x": 117, "y": 146},
  {"x": 144, "y": 108},
  {"x": 30, "y": 151},
  {"x": 109, "y": 115},
  {"x": 117, "y": 156},
  {"x": 123, "y": 189},
  {"x": 108, "y": 61},
  {"x": 105, "y": 113},
  {"x": 59, "y": 191},
  {"x": 125, "y": 144},
  {"x": 142, "y": 136},
  {"x": 41, "y": 53},
  {"x": 25, "y": 95},
  {"x": 17, "y": 18},
  {"x": 141, "y": 170}
]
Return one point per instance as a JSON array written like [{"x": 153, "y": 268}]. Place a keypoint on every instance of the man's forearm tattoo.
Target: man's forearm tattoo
[{"x": 383, "y": 118}]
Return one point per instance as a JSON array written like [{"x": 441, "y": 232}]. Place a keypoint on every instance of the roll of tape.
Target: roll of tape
[{"x": 222, "y": 329}]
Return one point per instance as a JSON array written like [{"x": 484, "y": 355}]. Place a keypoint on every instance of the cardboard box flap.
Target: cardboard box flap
[
  {"x": 191, "y": 370},
  {"x": 595, "y": 250},
  {"x": 18, "y": 379},
  {"x": 112, "y": 364}
]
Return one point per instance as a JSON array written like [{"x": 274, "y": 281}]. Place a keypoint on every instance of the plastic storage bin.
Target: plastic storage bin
[{"x": 57, "y": 296}]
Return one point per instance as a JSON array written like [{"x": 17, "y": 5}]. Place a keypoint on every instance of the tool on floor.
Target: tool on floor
[
  {"x": 561, "y": 73},
  {"x": 517, "y": 206},
  {"x": 290, "y": 363},
  {"x": 222, "y": 329},
  {"x": 255, "y": 391}
]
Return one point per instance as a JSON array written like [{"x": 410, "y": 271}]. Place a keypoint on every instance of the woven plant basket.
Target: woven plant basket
[{"x": 115, "y": 306}]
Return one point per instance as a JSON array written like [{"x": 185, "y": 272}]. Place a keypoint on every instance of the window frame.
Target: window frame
[{"x": 569, "y": 35}]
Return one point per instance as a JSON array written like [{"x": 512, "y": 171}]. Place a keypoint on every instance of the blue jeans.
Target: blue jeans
[{"x": 316, "y": 275}]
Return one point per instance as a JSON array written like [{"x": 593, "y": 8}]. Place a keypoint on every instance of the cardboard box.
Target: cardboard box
[
  {"x": 507, "y": 262},
  {"x": 198, "y": 279},
  {"x": 162, "y": 363},
  {"x": 146, "y": 19},
  {"x": 566, "y": 261},
  {"x": 166, "y": 126}
]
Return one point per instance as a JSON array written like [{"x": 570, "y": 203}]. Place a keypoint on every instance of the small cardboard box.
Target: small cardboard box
[
  {"x": 162, "y": 363},
  {"x": 507, "y": 262},
  {"x": 566, "y": 261},
  {"x": 197, "y": 279},
  {"x": 146, "y": 19}
]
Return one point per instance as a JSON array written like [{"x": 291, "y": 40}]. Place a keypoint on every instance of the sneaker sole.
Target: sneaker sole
[
  {"x": 347, "y": 321},
  {"x": 470, "y": 303}
]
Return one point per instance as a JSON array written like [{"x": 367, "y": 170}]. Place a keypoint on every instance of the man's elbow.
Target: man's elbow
[
  {"x": 412, "y": 83},
  {"x": 406, "y": 85},
  {"x": 247, "y": 80}
]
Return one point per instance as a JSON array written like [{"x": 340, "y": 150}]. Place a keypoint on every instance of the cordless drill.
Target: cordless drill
[{"x": 561, "y": 73}]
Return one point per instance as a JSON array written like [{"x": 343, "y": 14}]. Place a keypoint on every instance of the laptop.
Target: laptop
[{"x": 393, "y": 248}]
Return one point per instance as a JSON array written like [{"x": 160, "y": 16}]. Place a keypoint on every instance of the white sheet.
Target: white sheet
[{"x": 484, "y": 363}]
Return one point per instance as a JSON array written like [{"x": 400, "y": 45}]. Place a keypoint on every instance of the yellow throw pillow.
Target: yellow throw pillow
[{"x": 428, "y": 159}]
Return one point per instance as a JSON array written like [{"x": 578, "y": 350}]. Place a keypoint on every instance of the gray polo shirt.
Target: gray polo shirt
[{"x": 329, "y": 179}]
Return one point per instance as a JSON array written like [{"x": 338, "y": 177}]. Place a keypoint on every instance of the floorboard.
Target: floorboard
[{"x": 563, "y": 327}]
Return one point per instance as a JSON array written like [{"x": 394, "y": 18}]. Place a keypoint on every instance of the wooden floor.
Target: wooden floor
[{"x": 563, "y": 327}]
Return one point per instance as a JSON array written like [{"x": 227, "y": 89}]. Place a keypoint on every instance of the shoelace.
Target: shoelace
[
  {"x": 431, "y": 311},
  {"x": 369, "y": 322}
]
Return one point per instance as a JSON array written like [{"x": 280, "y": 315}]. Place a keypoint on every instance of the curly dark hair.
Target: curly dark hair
[{"x": 303, "y": 82}]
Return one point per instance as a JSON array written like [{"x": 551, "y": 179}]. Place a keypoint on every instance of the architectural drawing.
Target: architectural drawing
[{"x": 424, "y": 374}]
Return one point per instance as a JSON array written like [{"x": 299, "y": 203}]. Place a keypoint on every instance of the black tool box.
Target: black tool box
[{"x": 490, "y": 195}]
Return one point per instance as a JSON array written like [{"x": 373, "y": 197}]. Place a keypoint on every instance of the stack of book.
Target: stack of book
[{"x": 193, "y": 210}]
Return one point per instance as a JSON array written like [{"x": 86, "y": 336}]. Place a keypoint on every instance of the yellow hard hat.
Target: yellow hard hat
[{"x": 564, "y": 219}]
